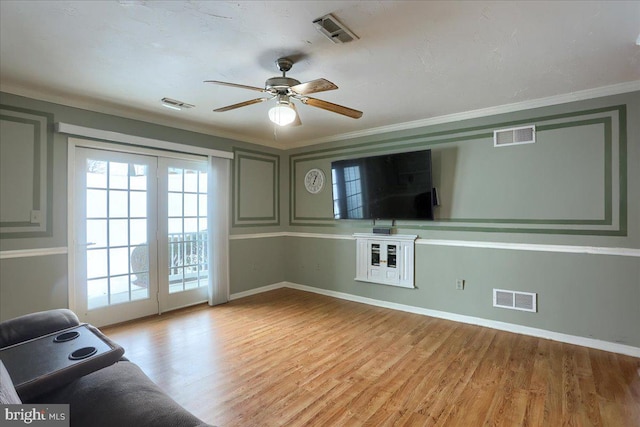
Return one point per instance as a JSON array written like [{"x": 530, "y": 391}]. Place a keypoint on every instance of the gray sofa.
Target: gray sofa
[{"x": 116, "y": 395}]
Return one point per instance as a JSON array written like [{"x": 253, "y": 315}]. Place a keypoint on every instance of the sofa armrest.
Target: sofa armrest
[
  {"x": 35, "y": 325},
  {"x": 119, "y": 395}
]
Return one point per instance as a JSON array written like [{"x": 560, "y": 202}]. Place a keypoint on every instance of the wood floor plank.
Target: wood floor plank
[{"x": 293, "y": 358}]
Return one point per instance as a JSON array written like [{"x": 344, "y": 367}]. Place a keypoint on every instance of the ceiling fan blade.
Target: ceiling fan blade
[
  {"x": 236, "y": 85},
  {"x": 330, "y": 106},
  {"x": 241, "y": 104},
  {"x": 314, "y": 86},
  {"x": 297, "y": 121}
]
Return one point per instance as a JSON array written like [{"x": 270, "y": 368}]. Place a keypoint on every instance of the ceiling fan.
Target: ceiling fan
[{"x": 285, "y": 89}]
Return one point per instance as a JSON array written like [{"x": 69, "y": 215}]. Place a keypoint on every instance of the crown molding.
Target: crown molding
[
  {"x": 582, "y": 95},
  {"x": 118, "y": 110},
  {"x": 122, "y": 111}
]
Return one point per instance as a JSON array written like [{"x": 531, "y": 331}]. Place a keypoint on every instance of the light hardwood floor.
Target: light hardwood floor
[{"x": 293, "y": 358}]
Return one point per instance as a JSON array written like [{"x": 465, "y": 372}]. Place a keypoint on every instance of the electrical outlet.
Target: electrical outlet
[
  {"x": 36, "y": 217},
  {"x": 460, "y": 284}
]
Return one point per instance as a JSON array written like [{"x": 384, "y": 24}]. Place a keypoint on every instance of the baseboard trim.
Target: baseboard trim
[
  {"x": 493, "y": 324},
  {"x": 258, "y": 290}
]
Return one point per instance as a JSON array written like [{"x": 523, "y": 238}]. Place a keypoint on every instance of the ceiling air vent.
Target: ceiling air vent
[
  {"x": 514, "y": 136},
  {"x": 332, "y": 29},
  {"x": 175, "y": 104},
  {"x": 515, "y": 300}
]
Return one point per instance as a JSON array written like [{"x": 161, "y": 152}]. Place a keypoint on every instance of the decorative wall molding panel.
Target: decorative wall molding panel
[
  {"x": 256, "y": 189},
  {"x": 583, "y": 190},
  {"x": 26, "y": 168}
]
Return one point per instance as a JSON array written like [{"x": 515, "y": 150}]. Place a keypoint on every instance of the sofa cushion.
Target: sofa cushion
[
  {"x": 35, "y": 325},
  {"x": 8, "y": 394},
  {"x": 119, "y": 395}
]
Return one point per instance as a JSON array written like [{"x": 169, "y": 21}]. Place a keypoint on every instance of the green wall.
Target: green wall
[
  {"x": 577, "y": 186},
  {"x": 594, "y": 296},
  {"x": 40, "y": 282}
]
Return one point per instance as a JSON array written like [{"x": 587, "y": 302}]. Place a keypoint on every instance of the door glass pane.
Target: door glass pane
[
  {"x": 138, "y": 231},
  {"x": 190, "y": 205},
  {"x": 138, "y": 180},
  {"x": 190, "y": 181},
  {"x": 139, "y": 286},
  {"x": 96, "y": 203},
  {"x": 97, "y": 263},
  {"x": 118, "y": 232},
  {"x": 119, "y": 289},
  {"x": 175, "y": 179},
  {"x": 140, "y": 267},
  {"x": 96, "y": 172},
  {"x": 188, "y": 268},
  {"x": 391, "y": 256},
  {"x": 202, "y": 205},
  {"x": 175, "y": 205},
  {"x": 97, "y": 233},
  {"x": 118, "y": 251},
  {"x": 175, "y": 227},
  {"x": 190, "y": 228},
  {"x": 97, "y": 293},
  {"x": 138, "y": 204},
  {"x": 202, "y": 184},
  {"x": 118, "y": 204},
  {"x": 119, "y": 175},
  {"x": 118, "y": 261}
]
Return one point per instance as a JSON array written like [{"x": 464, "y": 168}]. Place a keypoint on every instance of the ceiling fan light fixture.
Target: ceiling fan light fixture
[{"x": 282, "y": 114}]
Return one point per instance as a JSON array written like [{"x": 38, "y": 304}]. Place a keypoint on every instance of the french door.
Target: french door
[
  {"x": 141, "y": 233},
  {"x": 183, "y": 236}
]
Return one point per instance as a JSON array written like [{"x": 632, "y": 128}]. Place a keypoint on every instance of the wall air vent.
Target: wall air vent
[
  {"x": 175, "y": 104},
  {"x": 514, "y": 136},
  {"x": 332, "y": 29},
  {"x": 515, "y": 300}
]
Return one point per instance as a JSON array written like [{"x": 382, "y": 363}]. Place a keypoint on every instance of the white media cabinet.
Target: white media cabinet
[{"x": 385, "y": 259}]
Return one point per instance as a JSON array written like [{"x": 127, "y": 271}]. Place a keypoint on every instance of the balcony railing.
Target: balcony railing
[{"x": 188, "y": 259}]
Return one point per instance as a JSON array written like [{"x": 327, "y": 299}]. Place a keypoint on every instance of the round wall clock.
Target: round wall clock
[{"x": 314, "y": 180}]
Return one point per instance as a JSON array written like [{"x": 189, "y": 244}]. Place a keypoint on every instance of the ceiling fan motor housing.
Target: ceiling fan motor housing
[{"x": 280, "y": 84}]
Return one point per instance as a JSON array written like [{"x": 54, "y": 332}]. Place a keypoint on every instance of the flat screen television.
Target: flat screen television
[{"x": 391, "y": 186}]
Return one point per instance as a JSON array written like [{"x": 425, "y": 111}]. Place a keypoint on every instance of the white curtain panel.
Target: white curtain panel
[{"x": 218, "y": 199}]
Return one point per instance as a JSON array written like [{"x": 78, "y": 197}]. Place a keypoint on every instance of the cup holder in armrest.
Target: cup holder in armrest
[
  {"x": 83, "y": 353},
  {"x": 67, "y": 336}
]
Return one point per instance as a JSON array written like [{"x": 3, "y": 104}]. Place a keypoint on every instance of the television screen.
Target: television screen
[{"x": 392, "y": 186}]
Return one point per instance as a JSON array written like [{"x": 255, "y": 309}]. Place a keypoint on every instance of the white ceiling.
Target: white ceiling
[{"x": 413, "y": 61}]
